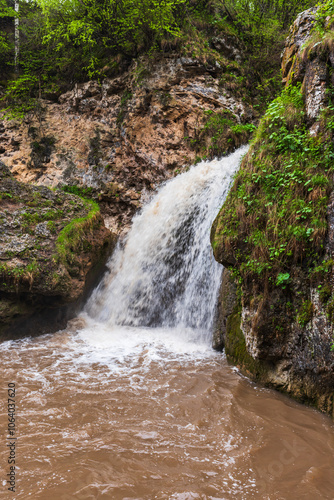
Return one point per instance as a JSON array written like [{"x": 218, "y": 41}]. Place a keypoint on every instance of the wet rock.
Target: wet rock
[
  {"x": 315, "y": 80},
  {"x": 226, "y": 305},
  {"x": 283, "y": 337},
  {"x": 308, "y": 63},
  {"x": 51, "y": 243},
  {"x": 227, "y": 47},
  {"x": 292, "y": 66},
  {"x": 12, "y": 244},
  {"x": 42, "y": 229}
]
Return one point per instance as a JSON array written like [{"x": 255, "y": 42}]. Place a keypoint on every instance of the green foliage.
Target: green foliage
[
  {"x": 19, "y": 99},
  {"x": 325, "y": 293},
  {"x": 7, "y": 16},
  {"x": 37, "y": 68},
  {"x": 262, "y": 26},
  {"x": 220, "y": 134},
  {"x": 240, "y": 128},
  {"x": 14, "y": 276},
  {"x": 282, "y": 280},
  {"x": 324, "y": 13},
  {"x": 124, "y": 26},
  {"x": 72, "y": 40},
  {"x": 275, "y": 216},
  {"x": 320, "y": 271},
  {"x": 67, "y": 41},
  {"x": 83, "y": 192},
  {"x": 6, "y": 11},
  {"x": 262, "y": 22}
]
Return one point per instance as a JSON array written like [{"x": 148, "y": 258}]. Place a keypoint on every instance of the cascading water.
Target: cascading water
[
  {"x": 165, "y": 274},
  {"x": 130, "y": 401}
]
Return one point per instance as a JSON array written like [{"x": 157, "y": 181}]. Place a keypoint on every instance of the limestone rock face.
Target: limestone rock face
[
  {"x": 309, "y": 66},
  {"x": 227, "y": 303},
  {"x": 120, "y": 139},
  {"x": 292, "y": 66},
  {"x": 298, "y": 361},
  {"x": 51, "y": 243}
]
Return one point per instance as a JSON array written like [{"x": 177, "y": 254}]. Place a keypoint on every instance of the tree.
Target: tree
[
  {"x": 115, "y": 26},
  {"x": 6, "y": 13},
  {"x": 260, "y": 22}
]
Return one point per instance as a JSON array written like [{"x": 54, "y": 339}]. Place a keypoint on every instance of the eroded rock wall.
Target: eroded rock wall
[{"x": 119, "y": 139}]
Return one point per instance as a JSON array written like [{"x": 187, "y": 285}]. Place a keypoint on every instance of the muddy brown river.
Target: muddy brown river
[
  {"x": 158, "y": 423},
  {"x": 130, "y": 402}
]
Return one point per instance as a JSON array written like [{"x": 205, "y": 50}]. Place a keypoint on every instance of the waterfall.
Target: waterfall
[{"x": 164, "y": 273}]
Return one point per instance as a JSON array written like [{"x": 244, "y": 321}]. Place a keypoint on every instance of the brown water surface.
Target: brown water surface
[
  {"x": 150, "y": 416},
  {"x": 132, "y": 413}
]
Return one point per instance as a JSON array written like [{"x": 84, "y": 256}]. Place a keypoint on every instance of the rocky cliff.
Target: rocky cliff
[
  {"x": 275, "y": 232},
  {"x": 113, "y": 142},
  {"x": 117, "y": 140},
  {"x": 52, "y": 245}
]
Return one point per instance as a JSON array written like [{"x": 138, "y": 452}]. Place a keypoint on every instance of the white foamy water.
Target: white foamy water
[
  {"x": 164, "y": 275},
  {"x": 159, "y": 295}
]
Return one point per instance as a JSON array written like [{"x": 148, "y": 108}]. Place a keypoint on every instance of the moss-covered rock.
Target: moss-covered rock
[
  {"x": 50, "y": 243},
  {"x": 229, "y": 332},
  {"x": 275, "y": 230}
]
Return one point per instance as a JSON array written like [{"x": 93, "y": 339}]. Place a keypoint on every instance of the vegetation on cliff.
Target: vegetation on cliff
[
  {"x": 276, "y": 213},
  {"x": 70, "y": 41},
  {"x": 275, "y": 216},
  {"x": 275, "y": 230}
]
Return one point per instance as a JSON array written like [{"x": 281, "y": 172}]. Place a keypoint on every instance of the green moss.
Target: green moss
[
  {"x": 51, "y": 227},
  {"x": 325, "y": 293},
  {"x": 275, "y": 215},
  {"x": 330, "y": 309},
  {"x": 220, "y": 134},
  {"x": 324, "y": 17},
  {"x": 6, "y": 195},
  {"x": 235, "y": 347},
  {"x": 321, "y": 271},
  {"x": 72, "y": 239},
  {"x": 32, "y": 218},
  {"x": 305, "y": 313},
  {"x": 13, "y": 277},
  {"x": 78, "y": 190},
  {"x": 126, "y": 97}
]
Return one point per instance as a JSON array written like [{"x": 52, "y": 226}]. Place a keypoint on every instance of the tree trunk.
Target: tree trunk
[{"x": 17, "y": 36}]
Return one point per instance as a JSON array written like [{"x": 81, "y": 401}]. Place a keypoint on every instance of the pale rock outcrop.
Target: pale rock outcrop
[{"x": 120, "y": 139}]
